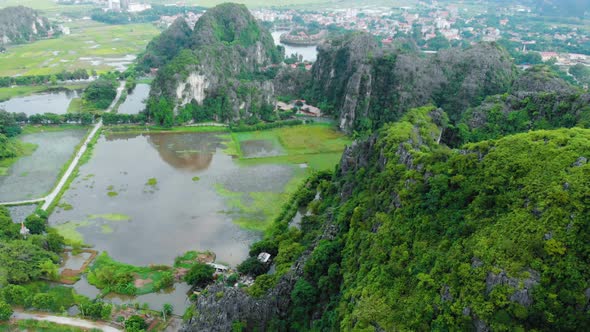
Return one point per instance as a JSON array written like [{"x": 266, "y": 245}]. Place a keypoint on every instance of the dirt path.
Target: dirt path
[{"x": 87, "y": 324}]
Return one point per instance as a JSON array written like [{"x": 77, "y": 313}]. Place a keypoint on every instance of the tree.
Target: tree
[
  {"x": 199, "y": 275},
  {"x": 35, "y": 224},
  {"x": 43, "y": 301},
  {"x": 167, "y": 310},
  {"x": 135, "y": 324},
  {"x": 5, "y": 311},
  {"x": 252, "y": 266},
  {"x": 49, "y": 270}
]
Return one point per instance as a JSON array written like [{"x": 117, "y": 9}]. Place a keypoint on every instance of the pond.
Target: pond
[
  {"x": 146, "y": 199},
  {"x": 20, "y": 212},
  {"x": 135, "y": 101},
  {"x": 176, "y": 295},
  {"x": 51, "y": 102},
  {"x": 35, "y": 175},
  {"x": 309, "y": 53}
]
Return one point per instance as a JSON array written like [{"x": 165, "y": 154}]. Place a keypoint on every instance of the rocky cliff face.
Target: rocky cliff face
[
  {"x": 367, "y": 85},
  {"x": 226, "y": 56},
  {"x": 21, "y": 24}
]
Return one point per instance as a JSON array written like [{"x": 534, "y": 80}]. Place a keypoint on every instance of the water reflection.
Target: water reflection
[
  {"x": 175, "y": 295},
  {"x": 54, "y": 102},
  {"x": 177, "y": 213},
  {"x": 33, "y": 176},
  {"x": 135, "y": 101},
  {"x": 309, "y": 53}
]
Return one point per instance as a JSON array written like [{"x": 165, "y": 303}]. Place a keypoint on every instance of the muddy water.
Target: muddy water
[
  {"x": 260, "y": 148},
  {"x": 55, "y": 102},
  {"x": 33, "y": 176},
  {"x": 309, "y": 53},
  {"x": 176, "y": 295},
  {"x": 176, "y": 214},
  {"x": 135, "y": 101},
  {"x": 20, "y": 212}
]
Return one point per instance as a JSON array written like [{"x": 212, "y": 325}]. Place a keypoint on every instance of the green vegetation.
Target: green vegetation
[
  {"x": 11, "y": 149},
  {"x": 189, "y": 258},
  {"x": 40, "y": 326},
  {"x": 19, "y": 91},
  {"x": 69, "y": 231},
  {"x": 112, "y": 276},
  {"x": 151, "y": 182},
  {"x": 430, "y": 238},
  {"x": 99, "y": 94},
  {"x": 199, "y": 275},
  {"x": 229, "y": 47},
  {"x": 317, "y": 146},
  {"x": 110, "y": 217},
  {"x": 5, "y": 311},
  {"x": 87, "y": 40}
]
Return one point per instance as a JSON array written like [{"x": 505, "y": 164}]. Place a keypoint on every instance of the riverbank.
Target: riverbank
[{"x": 22, "y": 91}]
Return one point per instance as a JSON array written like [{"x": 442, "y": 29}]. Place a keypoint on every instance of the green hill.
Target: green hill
[{"x": 411, "y": 235}]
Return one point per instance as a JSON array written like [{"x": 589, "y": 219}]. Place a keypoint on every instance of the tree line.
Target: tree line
[{"x": 78, "y": 74}]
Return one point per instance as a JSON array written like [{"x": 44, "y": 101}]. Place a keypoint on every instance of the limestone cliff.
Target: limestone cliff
[
  {"x": 21, "y": 24},
  {"x": 366, "y": 85},
  {"x": 225, "y": 59}
]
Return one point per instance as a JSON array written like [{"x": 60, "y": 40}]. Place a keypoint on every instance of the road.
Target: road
[
  {"x": 86, "y": 324},
  {"x": 51, "y": 197}
]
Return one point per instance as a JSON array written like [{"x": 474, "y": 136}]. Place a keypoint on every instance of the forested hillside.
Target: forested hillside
[
  {"x": 365, "y": 85},
  {"x": 21, "y": 25},
  {"x": 538, "y": 99},
  {"x": 412, "y": 235},
  {"x": 216, "y": 72}
]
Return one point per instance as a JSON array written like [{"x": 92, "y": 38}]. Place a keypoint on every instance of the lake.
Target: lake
[
  {"x": 35, "y": 175},
  {"x": 50, "y": 102},
  {"x": 309, "y": 53},
  {"x": 135, "y": 101},
  {"x": 116, "y": 210}
]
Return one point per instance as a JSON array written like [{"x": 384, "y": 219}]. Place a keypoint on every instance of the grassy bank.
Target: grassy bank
[
  {"x": 306, "y": 148},
  {"x": 34, "y": 129},
  {"x": 139, "y": 129},
  {"x": 112, "y": 276},
  {"x": 36, "y": 325},
  {"x": 20, "y": 91},
  {"x": 22, "y": 148}
]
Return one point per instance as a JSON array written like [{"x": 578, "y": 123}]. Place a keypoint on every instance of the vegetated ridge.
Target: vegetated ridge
[
  {"x": 412, "y": 235},
  {"x": 214, "y": 72},
  {"x": 22, "y": 24}
]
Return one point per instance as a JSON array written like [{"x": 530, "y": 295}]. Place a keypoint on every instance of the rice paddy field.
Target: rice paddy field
[{"x": 90, "y": 45}]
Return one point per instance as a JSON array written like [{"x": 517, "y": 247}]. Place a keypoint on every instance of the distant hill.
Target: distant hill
[{"x": 21, "y": 25}]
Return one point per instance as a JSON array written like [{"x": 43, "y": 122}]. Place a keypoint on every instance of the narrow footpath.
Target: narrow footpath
[
  {"x": 51, "y": 197},
  {"x": 86, "y": 324}
]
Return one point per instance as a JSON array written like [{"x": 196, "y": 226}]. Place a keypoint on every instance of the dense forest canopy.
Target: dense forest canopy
[{"x": 412, "y": 235}]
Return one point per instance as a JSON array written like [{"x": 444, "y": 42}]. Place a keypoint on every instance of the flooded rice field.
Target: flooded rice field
[
  {"x": 135, "y": 101},
  {"x": 20, "y": 212},
  {"x": 261, "y": 148},
  {"x": 50, "y": 102},
  {"x": 33, "y": 176},
  {"x": 146, "y": 199}
]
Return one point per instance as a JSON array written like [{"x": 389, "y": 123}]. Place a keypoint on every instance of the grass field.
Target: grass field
[{"x": 91, "y": 45}]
